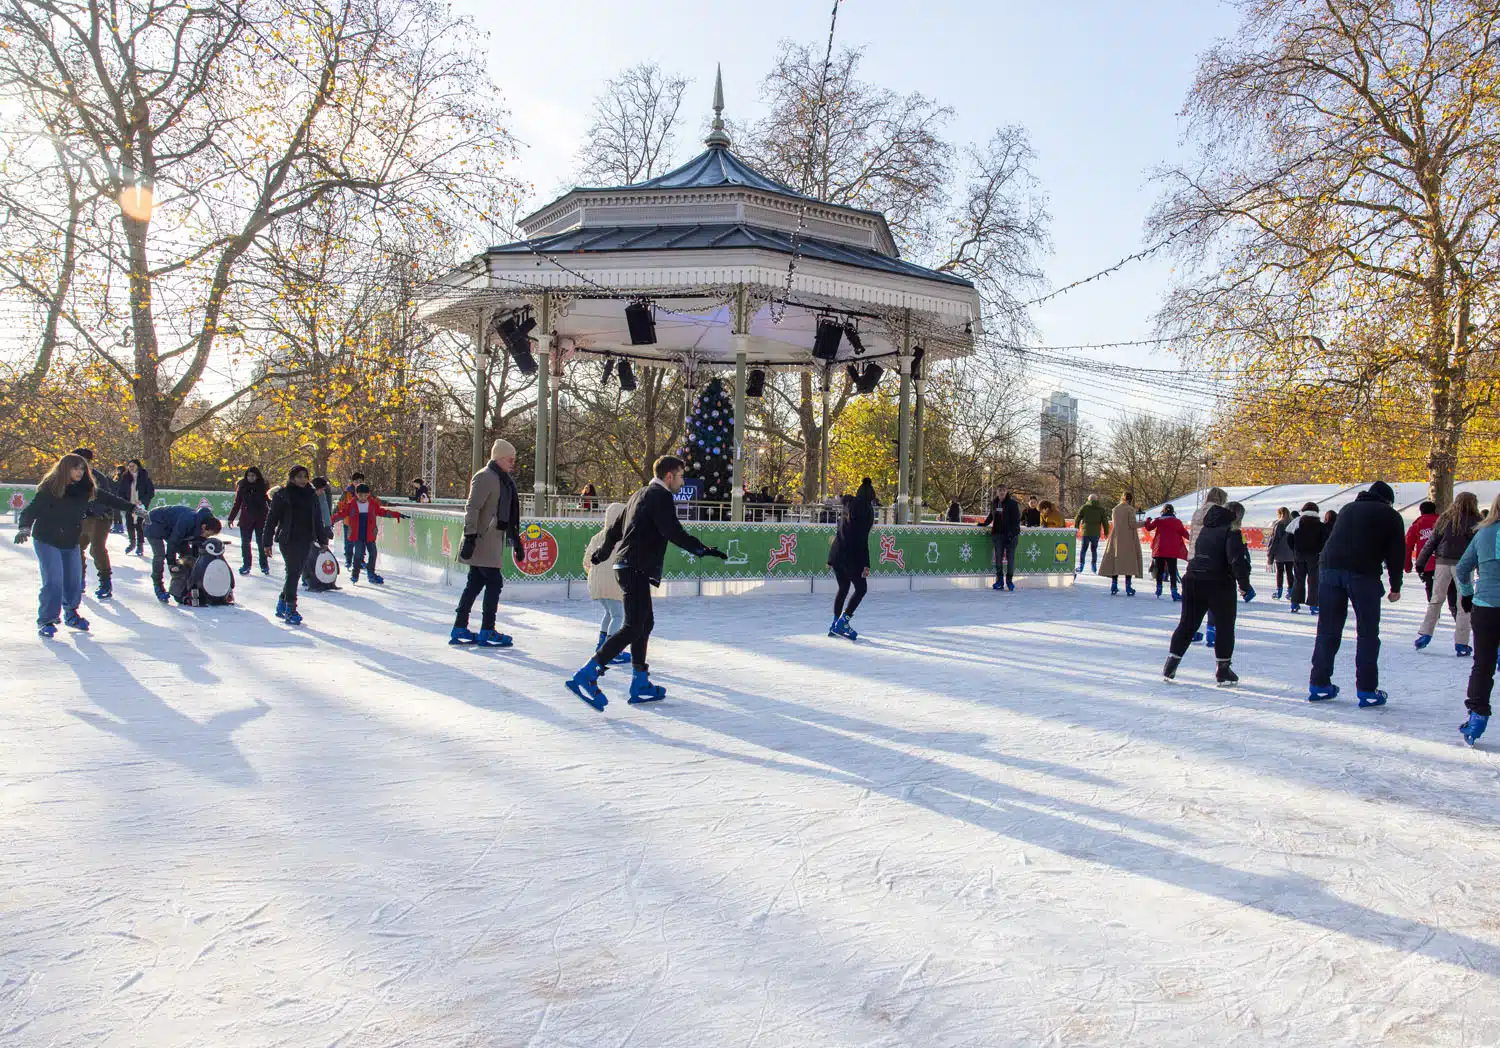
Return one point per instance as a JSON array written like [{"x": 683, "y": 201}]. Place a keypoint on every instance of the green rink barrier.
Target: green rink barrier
[{"x": 554, "y": 547}]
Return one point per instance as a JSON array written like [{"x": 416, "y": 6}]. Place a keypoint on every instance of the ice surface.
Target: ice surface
[{"x": 988, "y": 823}]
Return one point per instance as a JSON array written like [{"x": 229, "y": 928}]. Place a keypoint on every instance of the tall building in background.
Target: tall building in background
[{"x": 1059, "y": 428}]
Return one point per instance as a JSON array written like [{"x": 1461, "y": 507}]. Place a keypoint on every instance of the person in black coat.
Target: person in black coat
[
  {"x": 139, "y": 489},
  {"x": 53, "y": 521},
  {"x": 251, "y": 505},
  {"x": 1367, "y": 536},
  {"x": 1004, "y": 522},
  {"x": 1218, "y": 563},
  {"x": 642, "y": 533},
  {"x": 295, "y": 524},
  {"x": 1031, "y": 516},
  {"x": 1306, "y": 533},
  {"x": 849, "y": 556}
]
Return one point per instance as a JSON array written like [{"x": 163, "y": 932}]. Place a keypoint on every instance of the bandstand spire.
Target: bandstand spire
[{"x": 718, "y": 138}]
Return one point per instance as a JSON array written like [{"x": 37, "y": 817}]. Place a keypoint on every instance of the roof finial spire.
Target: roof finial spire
[{"x": 718, "y": 138}]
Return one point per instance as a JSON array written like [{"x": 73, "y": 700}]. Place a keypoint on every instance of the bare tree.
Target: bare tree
[
  {"x": 1156, "y": 458},
  {"x": 634, "y": 128}
]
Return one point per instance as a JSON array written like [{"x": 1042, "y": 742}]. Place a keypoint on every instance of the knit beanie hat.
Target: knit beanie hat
[
  {"x": 1382, "y": 491},
  {"x": 502, "y": 448}
]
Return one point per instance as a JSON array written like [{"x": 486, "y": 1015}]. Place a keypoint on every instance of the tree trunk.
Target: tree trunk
[{"x": 153, "y": 410}]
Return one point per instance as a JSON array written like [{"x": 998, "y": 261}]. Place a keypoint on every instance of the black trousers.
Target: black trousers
[
  {"x": 1005, "y": 557},
  {"x": 1285, "y": 576},
  {"x": 857, "y": 580},
  {"x": 1305, "y": 581},
  {"x": 1486, "y": 626},
  {"x": 293, "y": 559},
  {"x": 1200, "y": 598},
  {"x": 639, "y": 621},
  {"x": 1164, "y": 569},
  {"x": 135, "y": 532},
  {"x": 253, "y": 536},
  {"x": 488, "y": 580},
  {"x": 158, "y": 561}
]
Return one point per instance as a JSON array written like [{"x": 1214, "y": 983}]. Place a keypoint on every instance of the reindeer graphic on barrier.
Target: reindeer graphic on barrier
[{"x": 786, "y": 553}]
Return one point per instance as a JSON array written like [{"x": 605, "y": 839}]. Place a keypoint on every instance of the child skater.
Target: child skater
[
  {"x": 361, "y": 514},
  {"x": 1169, "y": 538},
  {"x": 603, "y": 586}
]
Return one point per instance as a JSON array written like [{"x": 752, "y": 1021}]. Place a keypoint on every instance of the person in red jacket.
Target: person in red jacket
[
  {"x": 1416, "y": 537},
  {"x": 1169, "y": 538},
  {"x": 360, "y": 514}
]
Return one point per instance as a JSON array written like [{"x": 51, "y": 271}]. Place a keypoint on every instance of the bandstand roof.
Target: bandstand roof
[{"x": 690, "y": 241}]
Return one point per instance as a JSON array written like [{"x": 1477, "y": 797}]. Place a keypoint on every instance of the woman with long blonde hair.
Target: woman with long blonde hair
[
  {"x": 1479, "y": 597},
  {"x": 1447, "y": 544},
  {"x": 53, "y": 521}
]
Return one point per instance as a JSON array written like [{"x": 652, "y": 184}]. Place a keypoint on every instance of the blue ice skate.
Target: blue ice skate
[
  {"x": 376, "y": 580},
  {"x": 162, "y": 595},
  {"x": 493, "y": 639},
  {"x": 281, "y": 607},
  {"x": 618, "y": 660},
  {"x": 998, "y": 586},
  {"x": 1278, "y": 594},
  {"x": 841, "y": 628},
  {"x": 1463, "y": 651},
  {"x": 1129, "y": 589},
  {"x": 105, "y": 591},
  {"x": 1423, "y": 639},
  {"x": 1296, "y": 607},
  {"x": 75, "y": 621},
  {"x": 1210, "y": 635},
  {"x": 1474, "y": 727},
  {"x": 1322, "y": 692},
  {"x": 1010, "y": 585},
  {"x": 462, "y": 635},
  {"x": 1372, "y": 698},
  {"x": 292, "y": 618},
  {"x": 642, "y": 690},
  {"x": 47, "y": 630},
  {"x": 1114, "y": 587},
  {"x": 585, "y": 684}
]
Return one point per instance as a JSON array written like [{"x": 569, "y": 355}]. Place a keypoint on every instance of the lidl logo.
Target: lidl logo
[
  {"x": 534, "y": 532},
  {"x": 1060, "y": 553}
]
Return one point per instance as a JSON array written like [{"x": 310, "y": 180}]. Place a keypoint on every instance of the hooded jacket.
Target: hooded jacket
[
  {"x": 1483, "y": 557},
  {"x": 1219, "y": 553},
  {"x": 1051, "y": 518},
  {"x": 176, "y": 525},
  {"x": 1307, "y": 533},
  {"x": 1367, "y": 535},
  {"x": 1416, "y": 537},
  {"x": 850, "y": 552},
  {"x": 602, "y": 582}
]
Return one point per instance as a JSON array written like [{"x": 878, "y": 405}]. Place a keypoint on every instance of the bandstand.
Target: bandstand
[{"x": 712, "y": 268}]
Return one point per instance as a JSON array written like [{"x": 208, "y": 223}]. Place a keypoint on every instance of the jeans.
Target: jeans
[
  {"x": 1338, "y": 589},
  {"x": 857, "y": 580},
  {"x": 1005, "y": 556},
  {"x": 253, "y": 537},
  {"x": 639, "y": 621},
  {"x": 1201, "y": 597},
  {"x": 614, "y": 615},
  {"x": 364, "y": 557},
  {"x": 1305, "y": 581},
  {"x": 491, "y": 582},
  {"x": 1090, "y": 545},
  {"x": 62, "y": 581},
  {"x": 348, "y": 547},
  {"x": 1486, "y": 623}
]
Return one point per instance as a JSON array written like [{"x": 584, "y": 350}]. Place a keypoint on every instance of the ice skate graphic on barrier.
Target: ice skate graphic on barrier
[
  {"x": 735, "y": 554},
  {"x": 786, "y": 553}
]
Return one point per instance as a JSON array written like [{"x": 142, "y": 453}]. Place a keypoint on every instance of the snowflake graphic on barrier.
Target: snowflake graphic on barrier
[
  {"x": 1033, "y": 553},
  {"x": 966, "y": 553},
  {"x": 689, "y": 557}
]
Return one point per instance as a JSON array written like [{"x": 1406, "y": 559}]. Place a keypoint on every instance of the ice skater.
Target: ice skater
[
  {"x": 642, "y": 533},
  {"x": 1307, "y": 534},
  {"x": 1368, "y": 535},
  {"x": 849, "y": 556},
  {"x": 1219, "y": 562},
  {"x": 140, "y": 491},
  {"x": 1279, "y": 553},
  {"x": 169, "y": 529},
  {"x": 1092, "y": 520},
  {"x": 252, "y": 501},
  {"x": 1122, "y": 550},
  {"x": 1004, "y": 523},
  {"x": 94, "y": 538},
  {"x": 604, "y": 588},
  {"x": 1169, "y": 544},
  {"x": 53, "y": 520},
  {"x": 1445, "y": 547},
  {"x": 364, "y": 514},
  {"x": 295, "y": 524},
  {"x": 492, "y": 521},
  {"x": 1480, "y": 597}
]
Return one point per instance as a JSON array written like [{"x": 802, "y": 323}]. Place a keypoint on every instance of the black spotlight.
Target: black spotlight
[
  {"x": 642, "y": 324},
  {"x": 853, "y": 372},
  {"x": 826, "y": 342},
  {"x": 517, "y": 344},
  {"x": 609, "y": 369},
  {"x": 755, "y": 384},
  {"x": 852, "y": 334},
  {"x": 870, "y": 378},
  {"x": 627, "y": 377},
  {"x": 916, "y": 363}
]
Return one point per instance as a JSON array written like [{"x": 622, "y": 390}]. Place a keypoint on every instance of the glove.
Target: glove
[
  {"x": 518, "y": 548},
  {"x": 1466, "y": 602},
  {"x": 714, "y": 551},
  {"x": 141, "y": 513},
  {"x": 466, "y": 550},
  {"x": 1249, "y": 594},
  {"x": 596, "y": 557},
  {"x": 22, "y": 534}
]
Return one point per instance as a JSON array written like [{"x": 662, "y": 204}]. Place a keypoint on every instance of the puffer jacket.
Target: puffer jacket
[
  {"x": 602, "y": 582},
  {"x": 1219, "y": 553}
]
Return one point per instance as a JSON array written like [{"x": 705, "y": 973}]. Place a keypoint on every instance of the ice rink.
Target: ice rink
[{"x": 988, "y": 823}]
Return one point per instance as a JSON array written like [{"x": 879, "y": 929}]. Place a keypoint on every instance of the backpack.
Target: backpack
[
  {"x": 321, "y": 572},
  {"x": 203, "y": 577}
]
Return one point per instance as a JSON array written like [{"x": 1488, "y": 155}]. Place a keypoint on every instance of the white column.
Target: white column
[{"x": 479, "y": 453}]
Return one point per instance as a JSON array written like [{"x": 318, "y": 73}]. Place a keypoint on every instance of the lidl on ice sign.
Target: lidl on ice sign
[{"x": 541, "y": 551}]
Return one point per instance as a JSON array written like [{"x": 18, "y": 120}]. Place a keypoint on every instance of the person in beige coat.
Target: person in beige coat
[
  {"x": 603, "y": 586},
  {"x": 1122, "y": 553},
  {"x": 492, "y": 519}
]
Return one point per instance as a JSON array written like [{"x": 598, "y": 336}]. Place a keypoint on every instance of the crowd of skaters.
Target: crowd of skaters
[{"x": 1326, "y": 562}]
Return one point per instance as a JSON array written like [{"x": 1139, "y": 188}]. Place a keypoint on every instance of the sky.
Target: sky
[{"x": 1099, "y": 84}]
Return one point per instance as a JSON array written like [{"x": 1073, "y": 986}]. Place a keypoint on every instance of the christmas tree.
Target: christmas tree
[{"x": 710, "y": 443}]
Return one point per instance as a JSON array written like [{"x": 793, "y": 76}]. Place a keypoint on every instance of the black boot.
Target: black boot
[
  {"x": 1226, "y": 677},
  {"x": 1169, "y": 671}
]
